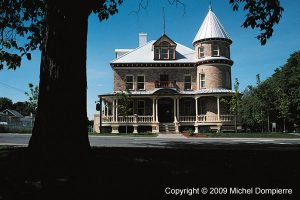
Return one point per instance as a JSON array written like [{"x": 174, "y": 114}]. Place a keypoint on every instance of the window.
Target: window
[
  {"x": 141, "y": 82},
  {"x": 164, "y": 49},
  {"x": 228, "y": 79},
  {"x": 215, "y": 50},
  {"x": 187, "y": 82},
  {"x": 140, "y": 107},
  {"x": 202, "y": 80},
  {"x": 156, "y": 53},
  {"x": 201, "y": 52},
  {"x": 172, "y": 53},
  {"x": 164, "y": 53},
  {"x": 129, "y": 82}
]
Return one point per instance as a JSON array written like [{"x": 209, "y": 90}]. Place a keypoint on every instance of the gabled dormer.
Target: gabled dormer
[{"x": 164, "y": 48}]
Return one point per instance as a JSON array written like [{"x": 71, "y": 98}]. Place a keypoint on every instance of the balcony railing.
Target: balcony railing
[{"x": 165, "y": 84}]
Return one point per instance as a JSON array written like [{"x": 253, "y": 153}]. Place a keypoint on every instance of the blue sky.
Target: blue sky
[{"x": 121, "y": 31}]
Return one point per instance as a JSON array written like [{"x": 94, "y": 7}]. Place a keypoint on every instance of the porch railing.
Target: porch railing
[
  {"x": 207, "y": 118},
  {"x": 149, "y": 118},
  {"x": 126, "y": 119},
  {"x": 129, "y": 119},
  {"x": 107, "y": 119},
  {"x": 145, "y": 119},
  {"x": 187, "y": 118}
]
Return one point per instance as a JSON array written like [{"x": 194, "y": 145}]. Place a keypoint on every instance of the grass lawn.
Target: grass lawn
[
  {"x": 251, "y": 135},
  {"x": 126, "y": 134}
]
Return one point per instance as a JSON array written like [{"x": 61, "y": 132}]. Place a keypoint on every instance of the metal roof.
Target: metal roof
[
  {"x": 145, "y": 54},
  {"x": 211, "y": 28},
  {"x": 13, "y": 112},
  {"x": 183, "y": 92}
]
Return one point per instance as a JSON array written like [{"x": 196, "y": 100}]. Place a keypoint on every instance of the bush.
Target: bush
[{"x": 14, "y": 129}]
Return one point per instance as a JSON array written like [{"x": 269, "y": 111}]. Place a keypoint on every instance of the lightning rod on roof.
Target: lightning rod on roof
[{"x": 164, "y": 19}]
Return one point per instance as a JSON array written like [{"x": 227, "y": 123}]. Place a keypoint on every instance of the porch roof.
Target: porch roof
[{"x": 175, "y": 92}]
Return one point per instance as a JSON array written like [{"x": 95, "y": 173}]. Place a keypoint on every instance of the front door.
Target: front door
[{"x": 165, "y": 110}]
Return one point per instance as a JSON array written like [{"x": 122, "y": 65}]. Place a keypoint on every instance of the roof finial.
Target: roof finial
[
  {"x": 164, "y": 19},
  {"x": 210, "y": 7}
]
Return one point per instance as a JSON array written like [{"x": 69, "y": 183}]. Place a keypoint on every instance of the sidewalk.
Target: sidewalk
[{"x": 170, "y": 135}]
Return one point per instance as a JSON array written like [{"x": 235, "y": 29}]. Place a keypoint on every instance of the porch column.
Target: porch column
[
  {"x": 156, "y": 114},
  {"x": 196, "y": 102},
  {"x": 178, "y": 109},
  {"x": 218, "y": 106},
  {"x": 153, "y": 110},
  {"x": 113, "y": 110},
  {"x": 116, "y": 110},
  {"x": 175, "y": 111}
]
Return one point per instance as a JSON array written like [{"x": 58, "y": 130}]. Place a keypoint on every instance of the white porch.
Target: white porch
[{"x": 183, "y": 111}]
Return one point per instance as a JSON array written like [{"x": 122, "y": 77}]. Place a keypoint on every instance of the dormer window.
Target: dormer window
[
  {"x": 215, "y": 50},
  {"x": 164, "y": 49},
  {"x": 164, "y": 53}
]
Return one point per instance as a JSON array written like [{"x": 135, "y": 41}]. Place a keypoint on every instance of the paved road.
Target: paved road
[{"x": 164, "y": 141}]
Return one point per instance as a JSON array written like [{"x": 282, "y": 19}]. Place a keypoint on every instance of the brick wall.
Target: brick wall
[
  {"x": 152, "y": 75},
  {"x": 215, "y": 75},
  {"x": 223, "y": 47}
]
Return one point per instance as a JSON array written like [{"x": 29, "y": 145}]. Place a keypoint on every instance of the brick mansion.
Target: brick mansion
[{"x": 170, "y": 86}]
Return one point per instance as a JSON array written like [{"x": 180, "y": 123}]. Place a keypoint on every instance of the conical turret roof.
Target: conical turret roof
[{"x": 211, "y": 28}]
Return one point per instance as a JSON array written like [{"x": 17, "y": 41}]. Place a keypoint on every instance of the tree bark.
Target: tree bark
[{"x": 60, "y": 133}]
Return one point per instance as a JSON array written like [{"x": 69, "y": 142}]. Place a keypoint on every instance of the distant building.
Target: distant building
[
  {"x": 14, "y": 118},
  {"x": 172, "y": 86}
]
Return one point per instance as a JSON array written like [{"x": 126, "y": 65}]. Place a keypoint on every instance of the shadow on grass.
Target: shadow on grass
[{"x": 144, "y": 173}]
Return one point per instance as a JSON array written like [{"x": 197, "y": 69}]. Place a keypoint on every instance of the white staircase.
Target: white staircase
[{"x": 167, "y": 128}]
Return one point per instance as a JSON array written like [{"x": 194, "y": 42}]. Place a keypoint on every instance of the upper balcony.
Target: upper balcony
[{"x": 165, "y": 84}]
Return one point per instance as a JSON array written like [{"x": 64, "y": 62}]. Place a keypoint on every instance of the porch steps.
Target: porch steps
[{"x": 167, "y": 128}]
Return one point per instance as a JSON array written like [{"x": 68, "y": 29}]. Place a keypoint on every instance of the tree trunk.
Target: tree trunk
[{"x": 60, "y": 133}]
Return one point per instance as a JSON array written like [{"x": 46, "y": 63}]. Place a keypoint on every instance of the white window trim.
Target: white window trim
[
  {"x": 200, "y": 80},
  {"x": 168, "y": 53},
  {"x": 140, "y": 82},
  {"x": 199, "y": 52},
  {"x": 187, "y": 82},
  {"x": 217, "y": 50},
  {"x": 133, "y": 87}
]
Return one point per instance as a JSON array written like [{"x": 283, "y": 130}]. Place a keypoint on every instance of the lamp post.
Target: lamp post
[{"x": 99, "y": 108}]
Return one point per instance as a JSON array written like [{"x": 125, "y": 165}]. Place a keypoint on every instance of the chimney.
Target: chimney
[{"x": 142, "y": 39}]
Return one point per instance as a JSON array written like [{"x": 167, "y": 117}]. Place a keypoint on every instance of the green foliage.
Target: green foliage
[
  {"x": 276, "y": 98},
  {"x": 125, "y": 103},
  {"x": 22, "y": 107},
  {"x": 261, "y": 14},
  {"x": 14, "y": 129},
  {"x": 24, "y": 19},
  {"x": 33, "y": 97},
  {"x": 20, "y": 19},
  {"x": 5, "y": 103}
]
